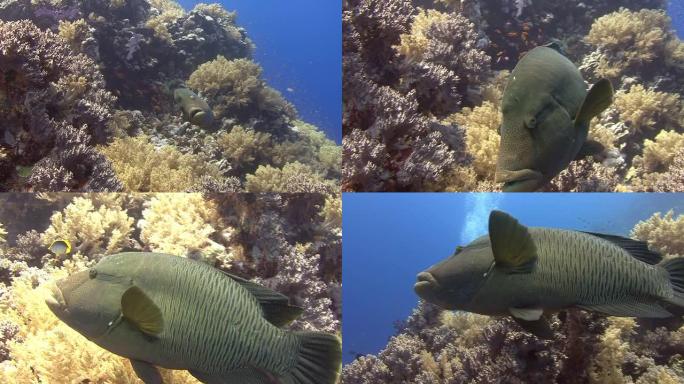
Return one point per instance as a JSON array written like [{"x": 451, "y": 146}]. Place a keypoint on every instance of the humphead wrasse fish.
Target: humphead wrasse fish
[
  {"x": 195, "y": 109},
  {"x": 172, "y": 312},
  {"x": 528, "y": 272},
  {"x": 546, "y": 113}
]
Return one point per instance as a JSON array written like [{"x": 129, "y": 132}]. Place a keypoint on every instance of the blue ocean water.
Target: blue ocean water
[
  {"x": 389, "y": 238},
  {"x": 299, "y": 45},
  {"x": 676, "y": 12}
]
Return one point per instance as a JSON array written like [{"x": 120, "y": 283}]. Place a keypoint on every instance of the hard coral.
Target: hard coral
[{"x": 54, "y": 110}]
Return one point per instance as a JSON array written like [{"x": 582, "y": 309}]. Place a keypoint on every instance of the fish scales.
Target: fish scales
[
  {"x": 591, "y": 269},
  {"x": 202, "y": 294}
]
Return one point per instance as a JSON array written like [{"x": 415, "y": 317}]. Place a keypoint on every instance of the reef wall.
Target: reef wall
[
  {"x": 87, "y": 103},
  {"x": 423, "y": 82}
]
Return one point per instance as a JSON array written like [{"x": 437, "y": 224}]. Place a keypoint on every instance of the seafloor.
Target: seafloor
[
  {"x": 434, "y": 346},
  {"x": 423, "y": 82},
  {"x": 87, "y": 103},
  {"x": 291, "y": 243}
]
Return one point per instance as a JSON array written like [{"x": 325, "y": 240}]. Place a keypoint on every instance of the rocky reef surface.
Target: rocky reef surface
[
  {"x": 435, "y": 346},
  {"x": 423, "y": 81},
  {"x": 291, "y": 243},
  {"x": 87, "y": 103}
]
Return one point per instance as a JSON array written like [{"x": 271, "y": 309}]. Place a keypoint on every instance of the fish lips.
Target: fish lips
[
  {"x": 426, "y": 286},
  {"x": 55, "y": 299},
  {"x": 524, "y": 180}
]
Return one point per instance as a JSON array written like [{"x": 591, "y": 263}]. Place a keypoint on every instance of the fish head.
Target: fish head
[
  {"x": 88, "y": 301},
  {"x": 537, "y": 142},
  {"x": 200, "y": 116},
  {"x": 453, "y": 282},
  {"x": 195, "y": 109}
]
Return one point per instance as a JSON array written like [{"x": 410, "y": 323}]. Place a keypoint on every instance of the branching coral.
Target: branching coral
[
  {"x": 629, "y": 40},
  {"x": 54, "y": 110},
  {"x": 142, "y": 167},
  {"x": 236, "y": 89},
  {"x": 645, "y": 110},
  {"x": 184, "y": 225},
  {"x": 662, "y": 232},
  {"x": 292, "y": 177},
  {"x": 656, "y": 169},
  {"x": 92, "y": 230}
]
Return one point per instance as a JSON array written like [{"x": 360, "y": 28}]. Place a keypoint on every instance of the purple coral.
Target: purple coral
[{"x": 55, "y": 110}]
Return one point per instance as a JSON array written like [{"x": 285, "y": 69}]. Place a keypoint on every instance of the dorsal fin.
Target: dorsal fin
[
  {"x": 556, "y": 45},
  {"x": 275, "y": 306},
  {"x": 512, "y": 245},
  {"x": 638, "y": 249}
]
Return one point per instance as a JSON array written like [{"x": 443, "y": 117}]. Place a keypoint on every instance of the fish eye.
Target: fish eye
[{"x": 92, "y": 273}]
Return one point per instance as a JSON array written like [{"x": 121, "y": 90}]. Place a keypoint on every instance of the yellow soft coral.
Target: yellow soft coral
[
  {"x": 170, "y": 12},
  {"x": 644, "y": 109},
  {"x": 614, "y": 345},
  {"x": 482, "y": 136},
  {"x": 216, "y": 11},
  {"x": 75, "y": 33},
  {"x": 289, "y": 178},
  {"x": 632, "y": 39},
  {"x": 48, "y": 351},
  {"x": 182, "y": 224},
  {"x": 413, "y": 45},
  {"x": 142, "y": 167},
  {"x": 240, "y": 79},
  {"x": 654, "y": 162},
  {"x": 91, "y": 229},
  {"x": 311, "y": 147},
  {"x": 662, "y": 232},
  {"x": 243, "y": 148}
]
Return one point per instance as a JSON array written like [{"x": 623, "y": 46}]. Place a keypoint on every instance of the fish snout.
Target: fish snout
[
  {"x": 524, "y": 180},
  {"x": 196, "y": 114},
  {"x": 425, "y": 285},
  {"x": 54, "y": 298}
]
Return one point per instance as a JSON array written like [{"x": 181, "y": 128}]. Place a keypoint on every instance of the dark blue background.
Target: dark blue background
[
  {"x": 676, "y": 11},
  {"x": 299, "y": 45},
  {"x": 389, "y": 238}
]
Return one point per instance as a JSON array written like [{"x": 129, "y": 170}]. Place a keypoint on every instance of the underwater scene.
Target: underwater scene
[
  {"x": 524, "y": 95},
  {"x": 170, "y": 288},
  {"x": 160, "y": 96},
  {"x": 513, "y": 288}
]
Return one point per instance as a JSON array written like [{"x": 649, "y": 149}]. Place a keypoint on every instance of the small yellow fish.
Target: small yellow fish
[{"x": 60, "y": 247}]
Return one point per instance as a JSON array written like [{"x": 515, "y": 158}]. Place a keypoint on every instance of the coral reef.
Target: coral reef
[
  {"x": 87, "y": 100},
  {"x": 426, "y": 76},
  {"x": 290, "y": 242},
  {"x": 436, "y": 346}
]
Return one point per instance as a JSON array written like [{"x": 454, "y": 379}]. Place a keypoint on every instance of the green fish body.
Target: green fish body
[
  {"x": 195, "y": 109},
  {"x": 546, "y": 113},
  {"x": 172, "y": 312},
  {"x": 526, "y": 272}
]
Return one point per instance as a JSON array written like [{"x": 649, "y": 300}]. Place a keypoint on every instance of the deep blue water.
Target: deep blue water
[
  {"x": 389, "y": 238},
  {"x": 299, "y": 45},
  {"x": 676, "y": 11}
]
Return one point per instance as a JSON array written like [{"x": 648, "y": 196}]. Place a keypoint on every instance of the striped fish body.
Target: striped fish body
[
  {"x": 575, "y": 269},
  {"x": 525, "y": 272},
  {"x": 212, "y": 324}
]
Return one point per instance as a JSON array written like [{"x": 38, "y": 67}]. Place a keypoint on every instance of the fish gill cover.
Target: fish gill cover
[
  {"x": 423, "y": 83},
  {"x": 438, "y": 346},
  {"x": 289, "y": 243},
  {"x": 87, "y": 103}
]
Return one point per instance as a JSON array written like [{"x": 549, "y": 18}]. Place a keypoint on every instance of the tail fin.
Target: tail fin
[
  {"x": 675, "y": 268},
  {"x": 319, "y": 361}
]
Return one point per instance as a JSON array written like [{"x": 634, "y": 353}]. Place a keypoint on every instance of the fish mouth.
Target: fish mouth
[
  {"x": 524, "y": 180},
  {"x": 425, "y": 284},
  {"x": 197, "y": 114},
  {"x": 55, "y": 299}
]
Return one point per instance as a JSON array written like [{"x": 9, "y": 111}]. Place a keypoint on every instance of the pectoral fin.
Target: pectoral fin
[
  {"x": 599, "y": 97},
  {"x": 513, "y": 247},
  {"x": 590, "y": 148},
  {"x": 141, "y": 311},
  {"x": 147, "y": 372}
]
